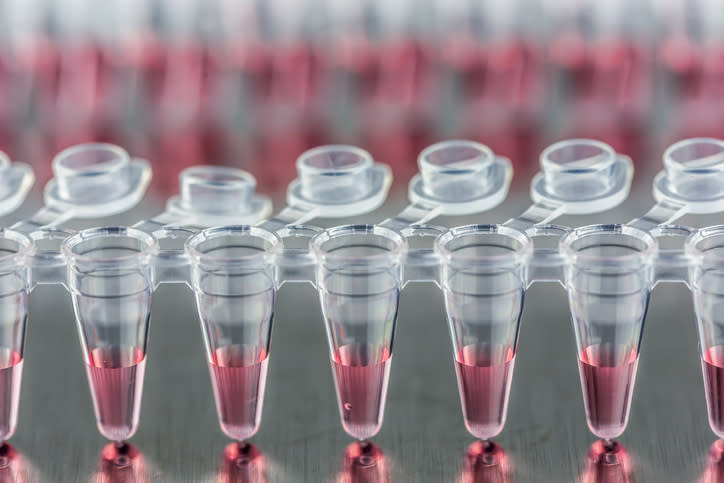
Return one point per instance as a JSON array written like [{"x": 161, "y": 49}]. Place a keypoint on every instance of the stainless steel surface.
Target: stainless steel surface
[{"x": 423, "y": 435}]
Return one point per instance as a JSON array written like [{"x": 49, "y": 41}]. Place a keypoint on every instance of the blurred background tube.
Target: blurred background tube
[{"x": 253, "y": 83}]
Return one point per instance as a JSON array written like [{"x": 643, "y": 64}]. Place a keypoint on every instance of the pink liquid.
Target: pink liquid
[
  {"x": 608, "y": 374},
  {"x": 484, "y": 375},
  {"x": 11, "y": 374},
  {"x": 115, "y": 375},
  {"x": 238, "y": 375},
  {"x": 712, "y": 364},
  {"x": 360, "y": 376}
]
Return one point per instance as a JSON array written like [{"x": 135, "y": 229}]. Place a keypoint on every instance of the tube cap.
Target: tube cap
[
  {"x": 693, "y": 175},
  {"x": 338, "y": 181},
  {"x": 218, "y": 195},
  {"x": 96, "y": 179},
  {"x": 16, "y": 179},
  {"x": 583, "y": 175},
  {"x": 460, "y": 177}
]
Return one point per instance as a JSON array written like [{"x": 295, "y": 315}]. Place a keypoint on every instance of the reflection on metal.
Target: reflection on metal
[
  {"x": 12, "y": 467},
  {"x": 242, "y": 463},
  {"x": 608, "y": 462},
  {"x": 486, "y": 462},
  {"x": 364, "y": 462},
  {"x": 121, "y": 463}
]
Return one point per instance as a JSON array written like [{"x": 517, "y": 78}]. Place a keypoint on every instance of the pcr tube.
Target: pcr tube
[
  {"x": 610, "y": 270},
  {"x": 91, "y": 180},
  {"x": 113, "y": 271}
]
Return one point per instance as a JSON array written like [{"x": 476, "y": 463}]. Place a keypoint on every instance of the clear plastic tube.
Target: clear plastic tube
[
  {"x": 111, "y": 284},
  {"x": 485, "y": 270},
  {"x": 359, "y": 279},
  {"x": 89, "y": 177},
  {"x": 609, "y": 276},
  {"x": 15, "y": 288},
  {"x": 611, "y": 269},
  {"x": 706, "y": 282},
  {"x": 234, "y": 282},
  {"x": 234, "y": 270},
  {"x": 483, "y": 280}
]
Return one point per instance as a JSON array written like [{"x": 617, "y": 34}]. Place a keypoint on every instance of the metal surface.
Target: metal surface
[{"x": 423, "y": 437}]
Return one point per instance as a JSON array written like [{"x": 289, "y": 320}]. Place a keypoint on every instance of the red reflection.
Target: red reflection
[
  {"x": 121, "y": 463},
  {"x": 608, "y": 462},
  {"x": 714, "y": 471},
  {"x": 681, "y": 58},
  {"x": 364, "y": 463},
  {"x": 242, "y": 463},
  {"x": 486, "y": 462},
  {"x": 12, "y": 469},
  {"x": 238, "y": 85}
]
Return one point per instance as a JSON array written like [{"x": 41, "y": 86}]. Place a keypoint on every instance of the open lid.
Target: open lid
[
  {"x": 338, "y": 181},
  {"x": 96, "y": 179},
  {"x": 16, "y": 179},
  {"x": 582, "y": 176},
  {"x": 218, "y": 195},
  {"x": 460, "y": 177},
  {"x": 693, "y": 175},
  {"x": 578, "y": 176}
]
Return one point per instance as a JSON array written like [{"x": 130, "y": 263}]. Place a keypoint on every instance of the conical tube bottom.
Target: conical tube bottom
[
  {"x": 712, "y": 365},
  {"x": 608, "y": 374},
  {"x": 115, "y": 375},
  {"x": 11, "y": 376},
  {"x": 484, "y": 375},
  {"x": 361, "y": 373},
  {"x": 238, "y": 376}
]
